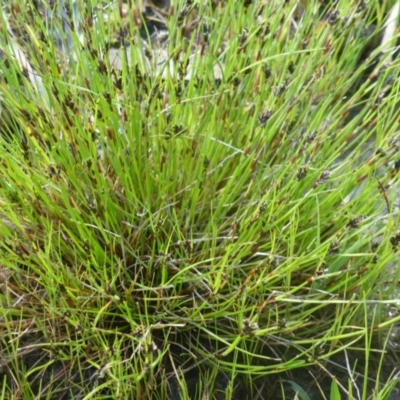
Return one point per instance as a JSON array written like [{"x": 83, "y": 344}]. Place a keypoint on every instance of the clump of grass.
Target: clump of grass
[{"x": 214, "y": 233}]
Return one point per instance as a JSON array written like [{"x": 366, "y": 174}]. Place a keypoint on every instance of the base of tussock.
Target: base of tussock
[
  {"x": 38, "y": 372},
  {"x": 211, "y": 237}
]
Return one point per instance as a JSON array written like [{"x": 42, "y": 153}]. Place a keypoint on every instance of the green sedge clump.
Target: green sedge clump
[{"x": 198, "y": 200}]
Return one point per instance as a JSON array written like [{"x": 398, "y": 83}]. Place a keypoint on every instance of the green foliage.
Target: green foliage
[{"x": 210, "y": 232}]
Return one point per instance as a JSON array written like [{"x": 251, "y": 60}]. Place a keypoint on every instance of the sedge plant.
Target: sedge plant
[{"x": 215, "y": 220}]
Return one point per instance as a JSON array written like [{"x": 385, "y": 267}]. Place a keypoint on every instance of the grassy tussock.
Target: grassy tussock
[{"x": 215, "y": 233}]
